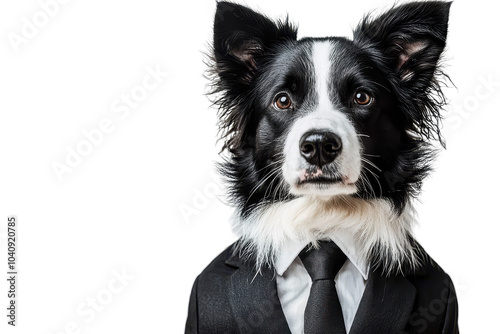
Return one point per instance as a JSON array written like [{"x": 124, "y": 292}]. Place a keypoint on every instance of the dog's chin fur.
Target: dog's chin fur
[{"x": 384, "y": 233}]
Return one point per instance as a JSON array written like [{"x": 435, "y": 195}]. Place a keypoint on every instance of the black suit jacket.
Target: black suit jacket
[{"x": 229, "y": 297}]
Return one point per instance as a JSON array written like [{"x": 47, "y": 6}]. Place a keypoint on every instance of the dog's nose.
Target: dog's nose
[{"x": 320, "y": 147}]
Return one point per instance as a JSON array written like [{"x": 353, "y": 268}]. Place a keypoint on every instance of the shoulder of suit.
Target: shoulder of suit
[
  {"x": 225, "y": 263},
  {"x": 428, "y": 269}
]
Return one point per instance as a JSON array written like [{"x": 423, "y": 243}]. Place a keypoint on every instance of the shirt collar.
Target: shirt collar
[{"x": 346, "y": 242}]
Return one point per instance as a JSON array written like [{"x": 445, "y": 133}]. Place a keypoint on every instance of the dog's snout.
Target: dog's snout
[{"x": 320, "y": 147}]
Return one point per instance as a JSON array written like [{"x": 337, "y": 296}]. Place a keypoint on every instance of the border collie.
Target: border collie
[{"x": 325, "y": 136}]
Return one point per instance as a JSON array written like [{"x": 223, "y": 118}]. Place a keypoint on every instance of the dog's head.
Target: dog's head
[{"x": 328, "y": 117}]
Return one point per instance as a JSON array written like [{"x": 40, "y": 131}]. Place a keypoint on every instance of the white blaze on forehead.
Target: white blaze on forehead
[
  {"x": 322, "y": 66},
  {"x": 323, "y": 116}
]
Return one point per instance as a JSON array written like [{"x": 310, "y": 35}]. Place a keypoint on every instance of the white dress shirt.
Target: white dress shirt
[{"x": 294, "y": 283}]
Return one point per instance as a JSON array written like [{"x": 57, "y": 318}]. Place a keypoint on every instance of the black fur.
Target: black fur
[{"x": 395, "y": 56}]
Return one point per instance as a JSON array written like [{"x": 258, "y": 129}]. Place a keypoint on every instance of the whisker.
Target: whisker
[
  {"x": 371, "y": 164},
  {"x": 271, "y": 164},
  {"x": 271, "y": 183},
  {"x": 366, "y": 184},
  {"x": 261, "y": 183},
  {"x": 376, "y": 178}
]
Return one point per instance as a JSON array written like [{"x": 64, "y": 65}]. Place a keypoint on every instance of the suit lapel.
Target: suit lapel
[
  {"x": 385, "y": 306},
  {"x": 255, "y": 303}
]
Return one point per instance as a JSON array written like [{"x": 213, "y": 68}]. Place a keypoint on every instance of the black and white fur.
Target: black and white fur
[{"x": 259, "y": 66}]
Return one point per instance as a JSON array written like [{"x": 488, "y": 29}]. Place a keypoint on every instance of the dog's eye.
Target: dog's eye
[
  {"x": 362, "y": 98},
  {"x": 282, "y": 101}
]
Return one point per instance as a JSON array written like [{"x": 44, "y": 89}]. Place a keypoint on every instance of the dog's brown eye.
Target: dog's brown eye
[
  {"x": 282, "y": 101},
  {"x": 362, "y": 98}
]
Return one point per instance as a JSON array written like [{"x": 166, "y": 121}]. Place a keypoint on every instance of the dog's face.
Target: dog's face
[
  {"x": 328, "y": 116},
  {"x": 324, "y": 104}
]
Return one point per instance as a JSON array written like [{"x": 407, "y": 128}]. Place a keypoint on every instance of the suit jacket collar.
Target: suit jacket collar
[
  {"x": 345, "y": 241},
  {"x": 254, "y": 300},
  {"x": 385, "y": 306}
]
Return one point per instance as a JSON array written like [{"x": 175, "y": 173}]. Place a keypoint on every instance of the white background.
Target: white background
[{"x": 119, "y": 208}]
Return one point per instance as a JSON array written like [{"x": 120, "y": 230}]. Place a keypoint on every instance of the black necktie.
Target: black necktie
[{"x": 323, "y": 313}]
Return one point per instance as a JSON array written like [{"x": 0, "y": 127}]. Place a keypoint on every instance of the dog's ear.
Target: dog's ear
[
  {"x": 243, "y": 41},
  {"x": 411, "y": 36},
  {"x": 241, "y": 36},
  {"x": 408, "y": 41}
]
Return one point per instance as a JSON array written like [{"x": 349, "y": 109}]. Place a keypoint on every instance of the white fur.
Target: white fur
[
  {"x": 324, "y": 117},
  {"x": 321, "y": 53},
  {"x": 372, "y": 222}
]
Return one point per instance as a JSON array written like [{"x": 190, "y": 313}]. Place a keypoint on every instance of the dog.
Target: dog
[{"x": 326, "y": 139}]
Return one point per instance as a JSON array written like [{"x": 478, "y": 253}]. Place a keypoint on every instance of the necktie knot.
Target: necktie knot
[{"x": 323, "y": 263}]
